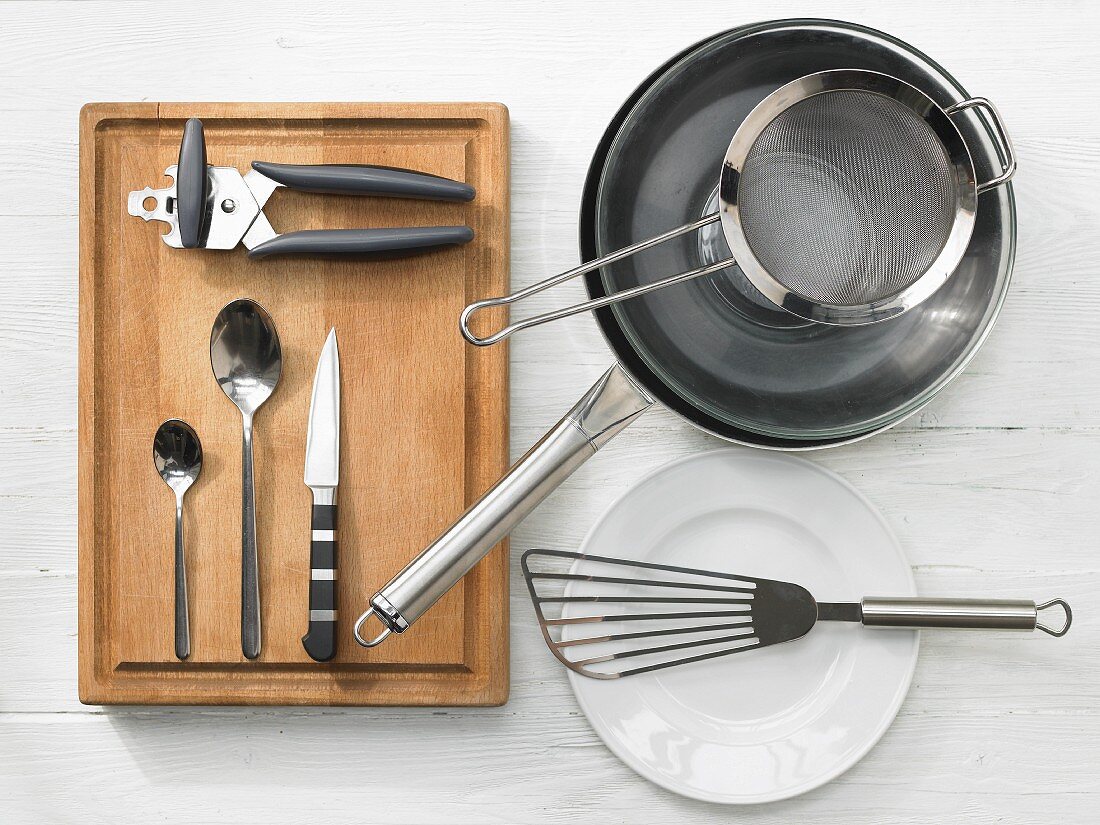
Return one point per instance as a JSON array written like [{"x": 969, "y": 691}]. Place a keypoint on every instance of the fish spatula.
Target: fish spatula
[{"x": 624, "y": 617}]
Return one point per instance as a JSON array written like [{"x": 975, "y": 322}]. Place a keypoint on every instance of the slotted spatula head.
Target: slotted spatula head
[{"x": 623, "y": 617}]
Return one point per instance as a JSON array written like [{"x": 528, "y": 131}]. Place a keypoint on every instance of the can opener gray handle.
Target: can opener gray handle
[
  {"x": 194, "y": 193},
  {"x": 363, "y": 179},
  {"x": 389, "y": 242}
]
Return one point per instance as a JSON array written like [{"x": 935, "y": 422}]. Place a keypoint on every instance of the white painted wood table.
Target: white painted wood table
[{"x": 993, "y": 489}]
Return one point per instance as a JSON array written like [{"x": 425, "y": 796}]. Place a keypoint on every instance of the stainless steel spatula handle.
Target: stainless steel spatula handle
[{"x": 963, "y": 614}]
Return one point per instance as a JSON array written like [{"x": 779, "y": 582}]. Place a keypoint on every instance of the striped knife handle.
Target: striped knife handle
[{"x": 320, "y": 641}]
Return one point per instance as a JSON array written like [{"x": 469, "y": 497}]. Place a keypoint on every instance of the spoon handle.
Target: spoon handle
[
  {"x": 250, "y": 577},
  {"x": 183, "y": 624}
]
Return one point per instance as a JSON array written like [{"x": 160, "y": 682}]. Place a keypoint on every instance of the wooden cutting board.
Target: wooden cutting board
[{"x": 424, "y": 416}]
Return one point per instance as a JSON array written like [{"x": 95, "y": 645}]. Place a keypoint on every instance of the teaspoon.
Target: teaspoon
[
  {"x": 177, "y": 455},
  {"x": 247, "y": 361}
]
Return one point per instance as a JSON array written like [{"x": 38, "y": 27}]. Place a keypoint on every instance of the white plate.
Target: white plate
[{"x": 773, "y": 723}]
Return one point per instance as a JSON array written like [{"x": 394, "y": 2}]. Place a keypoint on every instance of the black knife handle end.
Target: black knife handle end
[{"x": 320, "y": 640}]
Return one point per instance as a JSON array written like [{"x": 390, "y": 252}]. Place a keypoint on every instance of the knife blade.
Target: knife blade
[{"x": 322, "y": 476}]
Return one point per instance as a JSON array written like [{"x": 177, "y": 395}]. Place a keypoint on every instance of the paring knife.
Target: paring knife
[{"x": 322, "y": 477}]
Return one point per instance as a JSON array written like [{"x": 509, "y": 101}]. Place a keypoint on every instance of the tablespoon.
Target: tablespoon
[
  {"x": 247, "y": 361},
  {"x": 177, "y": 455}
]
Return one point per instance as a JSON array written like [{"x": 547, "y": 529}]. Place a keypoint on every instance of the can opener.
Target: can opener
[{"x": 216, "y": 207}]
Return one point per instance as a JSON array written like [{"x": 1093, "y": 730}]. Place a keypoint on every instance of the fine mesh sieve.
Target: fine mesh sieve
[{"x": 846, "y": 197}]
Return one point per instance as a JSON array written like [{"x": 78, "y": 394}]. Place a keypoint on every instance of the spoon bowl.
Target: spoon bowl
[
  {"x": 177, "y": 455},
  {"x": 245, "y": 354}
]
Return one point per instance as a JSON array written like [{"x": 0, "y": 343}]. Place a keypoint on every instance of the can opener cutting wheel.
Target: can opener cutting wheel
[{"x": 216, "y": 207}]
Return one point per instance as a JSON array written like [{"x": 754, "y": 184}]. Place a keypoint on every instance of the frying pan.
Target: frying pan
[{"x": 660, "y": 356}]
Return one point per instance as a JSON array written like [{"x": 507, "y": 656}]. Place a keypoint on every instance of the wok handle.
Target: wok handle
[
  {"x": 595, "y": 303},
  {"x": 963, "y": 614},
  {"x": 1000, "y": 135},
  {"x": 606, "y": 409}
]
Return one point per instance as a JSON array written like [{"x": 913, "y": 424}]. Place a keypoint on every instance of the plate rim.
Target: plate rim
[{"x": 900, "y": 694}]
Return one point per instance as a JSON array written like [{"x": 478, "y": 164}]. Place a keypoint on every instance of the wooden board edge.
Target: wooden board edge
[
  {"x": 499, "y": 683},
  {"x": 491, "y": 112},
  {"x": 459, "y": 690},
  {"x": 493, "y": 670},
  {"x": 91, "y": 688}
]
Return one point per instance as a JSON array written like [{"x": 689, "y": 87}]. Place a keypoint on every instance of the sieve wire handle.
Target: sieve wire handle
[
  {"x": 999, "y": 134},
  {"x": 595, "y": 303}
]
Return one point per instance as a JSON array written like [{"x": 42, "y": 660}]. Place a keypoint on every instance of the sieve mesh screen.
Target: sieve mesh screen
[{"x": 847, "y": 198}]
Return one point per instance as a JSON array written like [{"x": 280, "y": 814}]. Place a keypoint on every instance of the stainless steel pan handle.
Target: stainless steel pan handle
[
  {"x": 606, "y": 409},
  {"x": 965, "y": 614},
  {"x": 595, "y": 303}
]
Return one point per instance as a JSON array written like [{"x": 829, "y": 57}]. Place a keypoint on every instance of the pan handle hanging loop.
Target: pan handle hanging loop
[
  {"x": 377, "y": 640},
  {"x": 999, "y": 134},
  {"x": 596, "y": 303}
]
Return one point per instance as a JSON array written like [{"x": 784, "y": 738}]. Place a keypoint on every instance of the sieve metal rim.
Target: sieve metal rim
[{"x": 960, "y": 163}]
